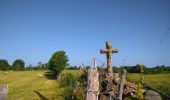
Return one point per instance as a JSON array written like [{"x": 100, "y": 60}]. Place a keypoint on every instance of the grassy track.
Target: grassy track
[
  {"x": 158, "y": 81},
  {"x": 30, "y": 85}
]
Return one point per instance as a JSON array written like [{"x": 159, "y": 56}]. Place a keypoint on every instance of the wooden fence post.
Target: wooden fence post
[
  {"x": 123, "y": 80},
  {"x": 92, "y": 85}
]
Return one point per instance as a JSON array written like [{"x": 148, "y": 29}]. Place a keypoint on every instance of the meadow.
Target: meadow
[
  {"x": 160, "y": 82},
  {"x": 38, "y": 85},
  {"x": 31, "y": 85}
]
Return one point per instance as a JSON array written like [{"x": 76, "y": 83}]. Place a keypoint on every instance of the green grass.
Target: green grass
[
  {"x": 30, "y": 85},
  {"x": 73, "y": 72},
  {"x": 158, "y": 81},
  {"x": 34, "y": 85}
]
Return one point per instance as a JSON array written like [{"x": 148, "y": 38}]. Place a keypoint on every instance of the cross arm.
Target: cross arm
[
  {"x": 114, "y": 50},
  {"x": 102, "y": 51}
]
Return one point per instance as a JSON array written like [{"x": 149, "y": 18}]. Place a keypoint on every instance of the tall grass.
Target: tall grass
[
  {"x": 70, "y": 80},
  {"x": 158, "y": 81}
]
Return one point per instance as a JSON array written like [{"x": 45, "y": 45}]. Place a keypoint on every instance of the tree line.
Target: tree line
[
  {"x": 148, "y": 70},
  {"x": 59, "y": 61},
  {"x": 130, "y": 69},
  {"x": 19, "y": 65}
]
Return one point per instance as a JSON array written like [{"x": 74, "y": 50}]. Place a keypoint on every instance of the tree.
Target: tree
[
  {"x": 58, "y": 62},
  {"x": 29, "y": 67},
  {"x": 4, "y": 64},
  {"x": 44, "y": 66},
  {"x": 39, "y": 65},
  {"x": 18, "y": 65}
]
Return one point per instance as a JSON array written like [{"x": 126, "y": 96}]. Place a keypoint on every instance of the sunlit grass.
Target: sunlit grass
[
  {"x": 23, "y": 85},
  {"x": 158, "y": 81},
  {"x": 73, "y": 72}
]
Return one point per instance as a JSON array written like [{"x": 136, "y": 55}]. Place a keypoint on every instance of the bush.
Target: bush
[
  {"x": 83, "y": 77},
  {"x": 73, "y": 91},
  {"x": 68, "y": 80}
]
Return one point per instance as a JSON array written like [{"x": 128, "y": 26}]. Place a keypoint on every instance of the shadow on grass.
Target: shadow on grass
[
  {"x": 40, "y": 95},
  {"x": 50, "y": 75}
]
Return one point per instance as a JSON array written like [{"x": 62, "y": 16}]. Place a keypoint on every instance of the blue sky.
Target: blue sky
[{"x": 33, "y": 30}]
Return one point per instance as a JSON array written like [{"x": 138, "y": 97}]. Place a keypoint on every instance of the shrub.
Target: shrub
[
  {"x": 72, "y": 90},
  {"x": 68, "y": 80}
]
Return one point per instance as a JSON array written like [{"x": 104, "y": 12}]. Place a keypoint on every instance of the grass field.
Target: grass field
[
  {"x": 158, "y": 81},
  {"x": 31, "y": 85},
  {"x": 38, "y": 85}
]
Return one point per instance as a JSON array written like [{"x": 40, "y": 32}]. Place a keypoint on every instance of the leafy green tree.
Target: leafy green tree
[
  {"x": 58, "y": 62},
  {"x": 18, "y": 65},
  {"x": 4, "y": 64}
]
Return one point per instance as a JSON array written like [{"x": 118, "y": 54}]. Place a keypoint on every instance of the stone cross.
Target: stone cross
[{"x": 108, "y": 51}]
